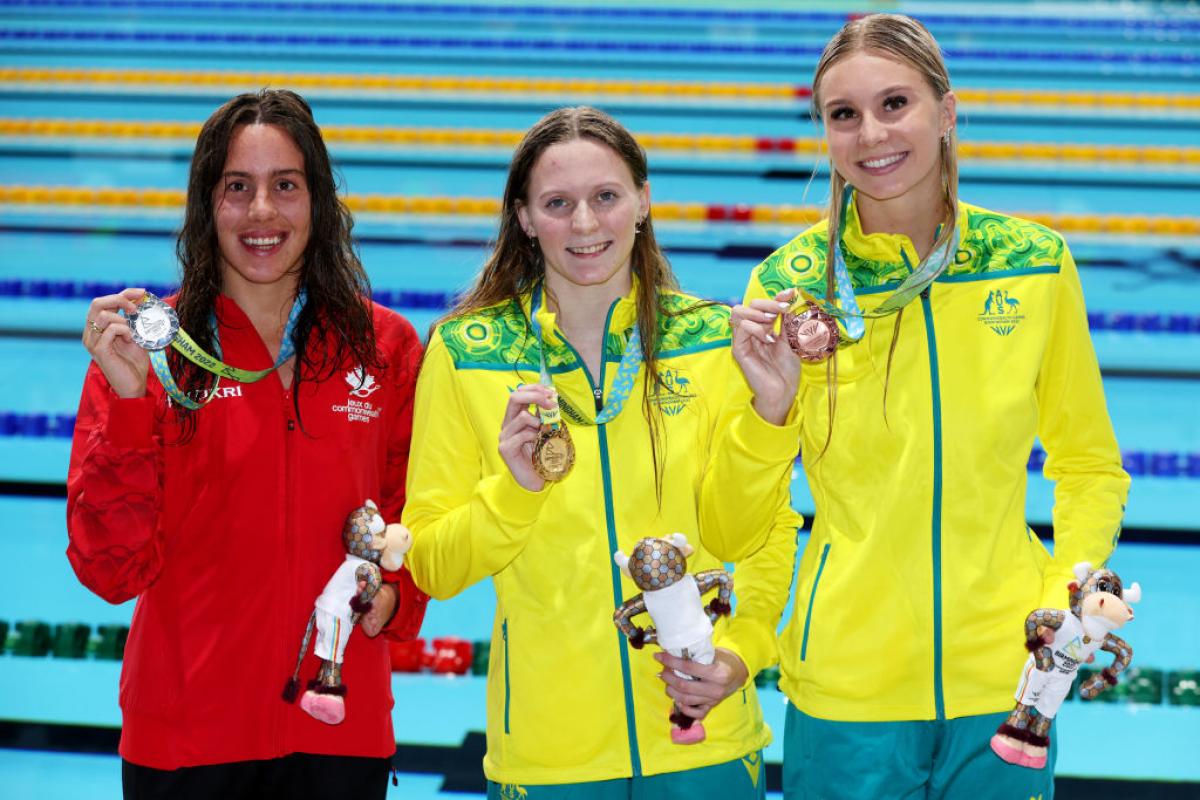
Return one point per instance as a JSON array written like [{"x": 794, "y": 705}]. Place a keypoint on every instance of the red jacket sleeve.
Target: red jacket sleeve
[
  {"x": 114, "y": 493},
  {"x": 403, "y": 350}
]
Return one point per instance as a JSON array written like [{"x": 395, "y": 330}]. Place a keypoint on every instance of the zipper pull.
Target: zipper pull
[{"x": 598, "y": 393}]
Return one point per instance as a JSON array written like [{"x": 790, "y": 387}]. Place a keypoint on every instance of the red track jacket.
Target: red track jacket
[{"x": 227, "y": 540}]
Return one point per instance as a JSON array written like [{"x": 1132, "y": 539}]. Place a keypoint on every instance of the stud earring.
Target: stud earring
[{"x": 946, "y": 136}]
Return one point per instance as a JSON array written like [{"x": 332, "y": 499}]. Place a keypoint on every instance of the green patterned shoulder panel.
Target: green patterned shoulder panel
[
  {"x": 497, "y": 335},
  {"x": 685, "y": 324},
  {"x": 691, "y": 324},
  {"x": 800, "y": 262},
  {"x": 1000, "y": 243}
]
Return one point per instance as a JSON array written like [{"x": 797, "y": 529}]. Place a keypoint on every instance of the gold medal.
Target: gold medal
[
  {"x": 812, "y": 334},
  {"x": 554, "y": 453}
]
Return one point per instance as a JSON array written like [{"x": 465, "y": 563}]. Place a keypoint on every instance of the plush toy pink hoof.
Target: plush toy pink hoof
[
  {"x": 1013, "y": 755},
  {"x": 1034, "y": 760},
  {"x": 690, "y": 735},
  {"x": 328, "y": 708}
]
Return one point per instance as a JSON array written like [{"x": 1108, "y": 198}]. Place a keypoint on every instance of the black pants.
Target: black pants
[{"x": 299, "y": 776}]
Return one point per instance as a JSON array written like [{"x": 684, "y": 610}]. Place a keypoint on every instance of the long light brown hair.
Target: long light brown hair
[
  {"x": 516, "y": 265},
  {"x": 906, "y": 41}
]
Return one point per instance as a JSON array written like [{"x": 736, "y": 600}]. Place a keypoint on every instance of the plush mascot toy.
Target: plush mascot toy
[
  {"x": 683, "y": 624},
  {"x": 370, "y": 544},
  {"x": 1099, "y": 606}
]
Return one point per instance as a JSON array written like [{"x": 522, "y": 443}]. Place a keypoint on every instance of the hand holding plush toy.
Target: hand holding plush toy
[
  {"x": 370, "y": 544},
  {"x": 683, "y": 624},
  {"x": 1098, "y": 605}
]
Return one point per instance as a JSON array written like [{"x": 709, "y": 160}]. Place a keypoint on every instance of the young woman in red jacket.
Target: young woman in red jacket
[{"x": 219, "y": 504}]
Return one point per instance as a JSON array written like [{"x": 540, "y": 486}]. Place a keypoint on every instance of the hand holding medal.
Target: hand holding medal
[
  {"x": 524, "y": 443},
  {"x": 771, "y": 367},
  {"x": 110, "y": 343},
  {"x": 124, "y": 347}
]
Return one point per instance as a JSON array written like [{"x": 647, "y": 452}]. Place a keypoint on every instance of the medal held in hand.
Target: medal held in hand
[
  {"x": 155, "y": 327},
  {"x": 554, "y": 452},
  {"x": 812, "y": 334}
]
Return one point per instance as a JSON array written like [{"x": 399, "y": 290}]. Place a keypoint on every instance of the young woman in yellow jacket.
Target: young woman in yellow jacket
[
  {"x": 576, "y": 315},
  {"x": 963, "y": 337}
]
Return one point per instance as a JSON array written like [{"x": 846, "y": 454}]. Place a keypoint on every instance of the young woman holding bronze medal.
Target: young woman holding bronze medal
[
  {"x": 958, "y": 336},
  {"x": 575, "y": 287},
  {"x": 220, "y": 505}
]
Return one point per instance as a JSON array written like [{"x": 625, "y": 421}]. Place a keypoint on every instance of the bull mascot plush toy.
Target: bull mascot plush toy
[
  {"x": 683, "y": 625},
  {"x": 370, "y": 544},
  {"x": 1058, "y": 642}
]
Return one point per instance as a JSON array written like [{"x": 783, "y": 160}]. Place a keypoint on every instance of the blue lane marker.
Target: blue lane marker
[
  {"x": 985, "y": 22},
  {"x": 577, "y": 46}
]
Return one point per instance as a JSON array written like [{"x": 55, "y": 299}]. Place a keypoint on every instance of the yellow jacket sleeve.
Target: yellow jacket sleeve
[
  {"x": 1082, "y": 456},
  {"x": 761, "y": 584},
  {"x": 749, "y": 472},
  {"x": 465, "y": 525}
]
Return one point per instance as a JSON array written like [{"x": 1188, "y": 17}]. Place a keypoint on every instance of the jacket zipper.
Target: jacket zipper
[
  {"x": 288, "y": 497},
  {"x": 635, "y": 759},
  {"x": 939, "y": 700}
]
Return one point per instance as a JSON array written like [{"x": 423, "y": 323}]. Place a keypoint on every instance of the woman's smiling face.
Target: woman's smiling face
[
  {"x": 583, "y": 207},
  {"x": 883, "y": 125}
]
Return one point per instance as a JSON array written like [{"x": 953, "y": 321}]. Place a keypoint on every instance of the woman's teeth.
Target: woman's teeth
[
  {"x": 587, "y": 251},
  {"x": 266, "y": 241},
  {"x": 886, "y": 161}
]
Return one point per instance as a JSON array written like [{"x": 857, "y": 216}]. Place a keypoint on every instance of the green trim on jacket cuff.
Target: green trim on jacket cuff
[{"x": 130, "y": 422}]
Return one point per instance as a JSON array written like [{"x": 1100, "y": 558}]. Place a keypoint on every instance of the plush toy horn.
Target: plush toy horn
[
  {"x": 1082, "y": 570},
  {"x": 622, "y": 562},
  {"x": 1132, "y": 593},
  {"x": 680, "y": 540}
]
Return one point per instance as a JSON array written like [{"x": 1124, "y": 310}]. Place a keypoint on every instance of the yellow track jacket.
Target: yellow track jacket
[
  {"x": 920, "y": 569},
  {"x": 568, "y": 699}
]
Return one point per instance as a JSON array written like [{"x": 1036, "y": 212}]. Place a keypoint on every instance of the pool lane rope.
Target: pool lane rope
[{"x": 385, "y": 136}]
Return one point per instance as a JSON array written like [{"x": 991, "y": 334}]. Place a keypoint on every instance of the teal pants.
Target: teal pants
[
  {"x": 921, "y": 760},
  {"x": 740, "y": 779}
]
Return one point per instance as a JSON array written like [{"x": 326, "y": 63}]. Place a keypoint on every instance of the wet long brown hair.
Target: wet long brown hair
[
  {"x": 330, "y": 270},
  {"x": 516, "y": 265},
  {"x": 906, "y": 41}
]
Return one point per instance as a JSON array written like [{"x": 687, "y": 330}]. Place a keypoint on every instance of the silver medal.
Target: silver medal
[{"x": 154, "y": 324}]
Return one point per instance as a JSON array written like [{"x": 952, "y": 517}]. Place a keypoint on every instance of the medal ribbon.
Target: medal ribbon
[
  {"x": 188, "y": 348},
  {"x": 850, "y": 313},
  {"x": 622, "y": 386}
]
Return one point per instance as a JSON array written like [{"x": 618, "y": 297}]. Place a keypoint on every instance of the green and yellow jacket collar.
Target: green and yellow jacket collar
[{"x": 881, "y": 253}]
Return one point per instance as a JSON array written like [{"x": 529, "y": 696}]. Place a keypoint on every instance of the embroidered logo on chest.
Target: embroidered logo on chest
[
  {"x": 1001, "y": 312},
  {"x": 362, "y": 385},
  {"x": 674, "y": 392}
]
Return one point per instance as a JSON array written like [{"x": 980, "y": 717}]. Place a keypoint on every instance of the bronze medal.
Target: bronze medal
[
  {"x": 554, "y": 453},
  {"x": 812, "y": 334}
]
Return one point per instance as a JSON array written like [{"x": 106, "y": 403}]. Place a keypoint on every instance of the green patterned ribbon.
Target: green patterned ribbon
[
  {"x": 622, "y": 386},
  {"x": 850, "y": 313},
  {"x": 188, "y": 348}
]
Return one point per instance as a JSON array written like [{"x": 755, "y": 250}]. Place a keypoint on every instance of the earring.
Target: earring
[
  {"x": 637, "y": 226},
  {"x": 946, "y": 136}
]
